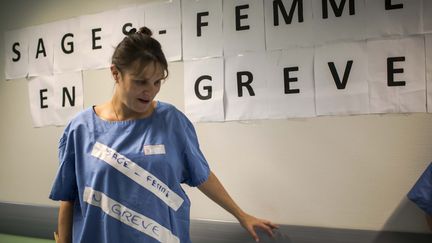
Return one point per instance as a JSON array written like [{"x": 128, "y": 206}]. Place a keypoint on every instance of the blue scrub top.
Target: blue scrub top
[
  {"x": 421, "y": 193},
  {"x": 125, "y": 176}
]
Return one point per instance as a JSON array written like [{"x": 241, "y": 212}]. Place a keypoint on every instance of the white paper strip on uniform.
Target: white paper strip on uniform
[
  {"x": 204, "y": 89},
  {"x": 66, "y": 51},
  {"x": 343, "y": 21},
  {"x": 95, "y": 42},
  {"x": 202, "y": 28},
  {"x": 291, "y": 83},
  {"x": 246, "y": 87},
  {"x": 429, "y": 70},
  {"x": 138, "y": 174},
  {"x": 384, "y": 18},
  {"x": 139, "y": 222},
  {"x": 340, "y": 79},
  {"x": 41, "y": 97},
  {"x": 41, "y": 49},
  {"x": 154, "y": 149},
  {"x": 68, "y": 96},
  {"x": 285, "y": 30},
  {"x": 396, "y": 75},
  {"x": 164, "y": 20},
  {"x": 243, "y": 26},
  {"x": 16, "y": 53}
]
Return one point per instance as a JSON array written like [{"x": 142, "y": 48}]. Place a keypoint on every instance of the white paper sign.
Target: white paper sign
[
  {"x": 202, "y": 28},
  {"x": 41, "y": 49},
  {"x": 291, "y": 83},
  {"x": 396, "y": 70},
  {"x": 291, "y": 25},
  {"x": 125, "y": 20},
  {"x": 339, "y": 20},
  {"x": 164, "y": 20},
  {"x": 243, "y": 26},
  {"x": 427, "y": 16},
  {"x": 41, "y": 93},
  {"x": 16, "y": 53},
  {"x": 66, "y": 52},
  {"x": 54, "y": 100},
  {"x": 204, "y": 89},
  {"x": 402, "y": 17},
  {"x": 68, "y": 96},
  {"x": 95, "y": 40},
  {"x": 429, "y": 71},
  {"x": 246, "y": 87},
  {"x": 340, "y": 79}
]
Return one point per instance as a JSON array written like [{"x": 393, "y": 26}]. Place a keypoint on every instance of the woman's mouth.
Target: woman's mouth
[{"x": 143, "y": 101}]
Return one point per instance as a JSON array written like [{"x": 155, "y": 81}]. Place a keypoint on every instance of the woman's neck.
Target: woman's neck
[{"x": 121, "y": 112}]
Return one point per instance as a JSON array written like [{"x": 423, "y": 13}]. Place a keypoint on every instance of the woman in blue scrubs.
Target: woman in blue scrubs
[{"x": 122, "y": 162}]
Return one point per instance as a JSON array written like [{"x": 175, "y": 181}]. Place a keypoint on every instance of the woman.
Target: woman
[
  {"x": 421, "y": 194},
  {"x": 122, "y": 162}
]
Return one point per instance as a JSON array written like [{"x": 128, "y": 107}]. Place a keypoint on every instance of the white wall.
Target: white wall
[{"x": 344, "y": 172}]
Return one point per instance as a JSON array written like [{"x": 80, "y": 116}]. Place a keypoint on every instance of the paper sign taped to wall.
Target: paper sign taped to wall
[
  {"x": 281, "y": 82},
  {"x": 288, "y": 24},
  {"x": 95, "y": 41},
  {"x": 246, "y": 87},
  {"x": 344, "y": 20},
  {"x": 243, "y": 26},
  {"x": 340, "y": 79},
  {"x": 16, "y": 54},
  {"x": 67, "y": 56},
  {"x": 55, "y": 99},
  {"x": 291, "y": 83},
  {"x": 202, "y": 28},
  {"x": 164, "y": 19},
  {"x": 384, "y": 18},
  {"x": 204, "y": 89},
  {"x": 68, "y": 98},
  {"x": 396, "y": 74},
  {"x": 125, "y": 20},
  {"x": 41, "y": 49},
  {"x": 41, "y": 91}
]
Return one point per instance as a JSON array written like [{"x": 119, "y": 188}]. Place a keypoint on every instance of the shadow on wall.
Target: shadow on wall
[{"x": 406, "y": 218}]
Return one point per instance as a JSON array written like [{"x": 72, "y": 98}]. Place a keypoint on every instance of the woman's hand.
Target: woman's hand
[
  {"x": 250, "y": 223},
  {"x": 213, "y": 189},
  {"x": 56, "y": 237}
]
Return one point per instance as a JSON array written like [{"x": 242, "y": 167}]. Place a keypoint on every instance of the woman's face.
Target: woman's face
[{"x": 136, "y": 89}]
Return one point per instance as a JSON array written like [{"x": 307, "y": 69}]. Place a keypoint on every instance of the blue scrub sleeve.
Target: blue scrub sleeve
[
  {"x": 421, "y": 193},
  {"x": 65, "y": 186},
  {"x": 197, "y": 168}
]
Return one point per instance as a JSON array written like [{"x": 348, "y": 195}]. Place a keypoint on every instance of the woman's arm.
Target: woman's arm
[
  {"x": 213, "y": 189},
  {"x": 64, "y": 233}
]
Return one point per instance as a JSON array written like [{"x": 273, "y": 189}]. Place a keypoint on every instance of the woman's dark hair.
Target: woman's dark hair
[{"x": 139, "y": 48}]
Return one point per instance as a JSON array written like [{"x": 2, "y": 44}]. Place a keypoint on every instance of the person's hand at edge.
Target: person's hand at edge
[{"x": 251, "y": 223}]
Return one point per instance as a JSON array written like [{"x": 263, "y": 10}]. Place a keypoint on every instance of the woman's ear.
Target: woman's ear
[{"x": 115, "y": 72}]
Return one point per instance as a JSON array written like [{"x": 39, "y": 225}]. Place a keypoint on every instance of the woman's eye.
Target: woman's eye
[{"x": 140, "y": 82}]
